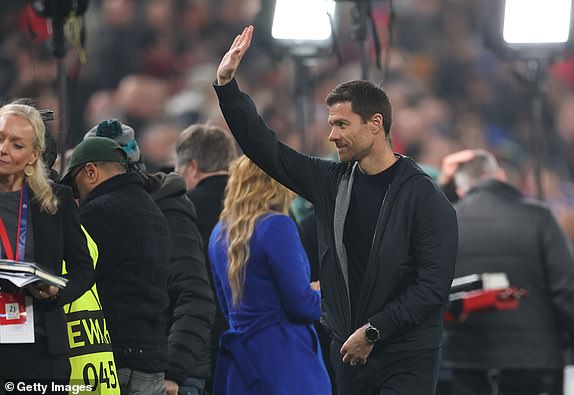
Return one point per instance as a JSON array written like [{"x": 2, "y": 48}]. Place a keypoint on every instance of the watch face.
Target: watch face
[{"x": 372, "y": 334}]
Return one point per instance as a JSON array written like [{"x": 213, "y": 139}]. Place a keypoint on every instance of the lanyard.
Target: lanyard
[{"x": 21, "y": 233}]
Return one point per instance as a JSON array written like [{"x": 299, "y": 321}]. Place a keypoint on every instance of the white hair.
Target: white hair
[{"x": 483, "y": 166}]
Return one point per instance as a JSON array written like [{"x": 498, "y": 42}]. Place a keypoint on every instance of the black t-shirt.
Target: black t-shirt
[{"x": 366, "y": 200}]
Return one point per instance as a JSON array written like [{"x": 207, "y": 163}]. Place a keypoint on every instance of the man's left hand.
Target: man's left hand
[
  {"x": 357, "y": 349},
  {"x": 171, "y": 387}
]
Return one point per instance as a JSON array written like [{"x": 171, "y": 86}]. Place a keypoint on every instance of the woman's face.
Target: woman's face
[{"x": 16, "y": 145}]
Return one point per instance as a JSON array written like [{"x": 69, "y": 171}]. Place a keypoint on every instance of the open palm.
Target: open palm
[{"x": 230, "y": 61}]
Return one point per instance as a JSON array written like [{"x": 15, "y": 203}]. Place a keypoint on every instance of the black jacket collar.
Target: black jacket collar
[
  {"x": 113, "y": 184},
  {"x": 496, "y": 186}
]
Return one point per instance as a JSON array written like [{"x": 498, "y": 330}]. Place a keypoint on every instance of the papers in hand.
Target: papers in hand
[{"x": 23, "y": 273}]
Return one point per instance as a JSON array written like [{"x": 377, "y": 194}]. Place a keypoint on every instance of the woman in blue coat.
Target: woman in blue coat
[{"x": 262, "y": 279}]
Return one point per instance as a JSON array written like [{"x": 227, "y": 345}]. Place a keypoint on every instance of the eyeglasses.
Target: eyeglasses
[
  {"x": 76, "y": 172},
  {"x": 73, "y": 176}
]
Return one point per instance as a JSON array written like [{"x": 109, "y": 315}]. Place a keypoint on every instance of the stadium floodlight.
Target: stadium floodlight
[
  {"x": 535, "y": 22},
  {"x": 537, "y": 32},
  {"x": 303, "y": 26},
  {"x": 530, "y": 29}
]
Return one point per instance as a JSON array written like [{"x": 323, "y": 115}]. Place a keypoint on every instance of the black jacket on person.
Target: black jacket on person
[
  {"x": 501, "y": 231},
  {"x": 410, "y": 268},
  {"x": 191, "y": 305},
  {"x": 56, "y": 238},
  {"x": 134, "y": 253},
  {"x": 208, "y": 197}
]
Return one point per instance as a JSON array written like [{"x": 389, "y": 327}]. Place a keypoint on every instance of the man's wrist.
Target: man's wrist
[{"x": 222, "y": 80}]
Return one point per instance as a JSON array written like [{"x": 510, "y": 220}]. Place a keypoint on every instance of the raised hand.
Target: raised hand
[
  {"x": 230, "y": 61},
  {"x": 450, "y": 164}
]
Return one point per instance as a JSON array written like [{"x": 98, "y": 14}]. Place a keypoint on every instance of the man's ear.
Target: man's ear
[
  {"x": 193, "y": 167},
  {"x": 92, "y": 172},
  {"x": 376, "y": 122}
]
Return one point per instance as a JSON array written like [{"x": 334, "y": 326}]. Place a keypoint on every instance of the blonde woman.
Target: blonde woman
[
  {"x": 39, "y": 223},
  {"x": 262, "y": 276}
]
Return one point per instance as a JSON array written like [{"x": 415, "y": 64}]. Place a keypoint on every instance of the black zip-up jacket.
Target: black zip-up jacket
[
  {"x": 502, "y": 231},
  {"x": 191, "y": 308},
  {"x": 207, "y": 196},
  {"x": 410, "y": 268}
]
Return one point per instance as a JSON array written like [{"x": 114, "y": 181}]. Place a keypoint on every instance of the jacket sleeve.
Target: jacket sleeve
[
  {"x": 559, "y": 264},
  {"x": 301, "y": 173},
  {"x": 214, "y": 246},
  {"x": 221, "y": 296},
  {"x": 290, "y": 267},
  {"x": 434, "y": 243},
  {"x": 79, "y": 265},
  {"x": 191, "y": 298}
]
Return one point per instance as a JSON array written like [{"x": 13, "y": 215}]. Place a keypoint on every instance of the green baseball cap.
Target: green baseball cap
[{"x": 95, "y": 149}]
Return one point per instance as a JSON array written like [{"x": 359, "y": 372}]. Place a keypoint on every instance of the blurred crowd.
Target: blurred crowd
[{"x": 151, "y": 63}]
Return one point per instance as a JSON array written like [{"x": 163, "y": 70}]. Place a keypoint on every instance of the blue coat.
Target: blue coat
[{"x": 271, "y": 346}]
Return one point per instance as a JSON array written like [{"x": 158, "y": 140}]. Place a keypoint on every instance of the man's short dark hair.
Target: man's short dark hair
[{"x": 366, "y": 99}]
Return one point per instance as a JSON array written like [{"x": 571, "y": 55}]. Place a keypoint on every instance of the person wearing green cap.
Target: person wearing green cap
[
  {"x": 103, "y": 150},
  {"x": 133, "y": 238},
  {"x": 191, "y": 310}
]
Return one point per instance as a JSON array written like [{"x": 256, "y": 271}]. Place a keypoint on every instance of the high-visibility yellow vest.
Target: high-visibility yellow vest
[{"x": 91, "y": 356}]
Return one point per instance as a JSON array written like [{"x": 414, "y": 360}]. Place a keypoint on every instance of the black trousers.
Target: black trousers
[
  {"x": 399, "y": 373},
  {"x": 506, "y": 382},
  {"x": 32, "y": 361}
]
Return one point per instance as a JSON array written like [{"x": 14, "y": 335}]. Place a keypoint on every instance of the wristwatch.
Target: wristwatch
[{"x": 372, "y": 334}]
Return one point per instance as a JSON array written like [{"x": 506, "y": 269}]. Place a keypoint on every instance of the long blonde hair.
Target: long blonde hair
[
  {"x": 250, "y": 193},
  {"x": 38, "y": 181}
]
